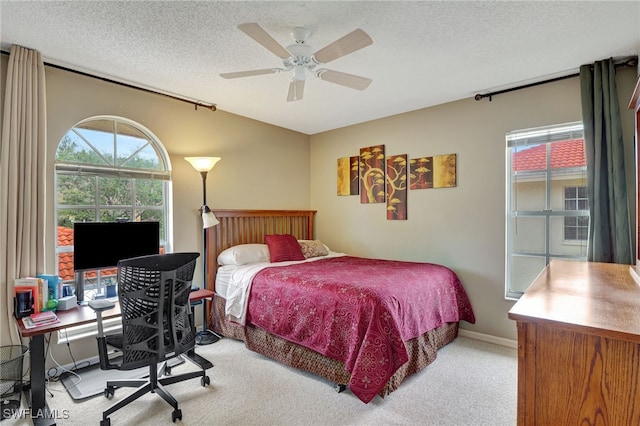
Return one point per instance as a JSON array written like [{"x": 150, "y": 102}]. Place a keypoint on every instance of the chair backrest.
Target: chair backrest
[{"x": 153, "y": 292}]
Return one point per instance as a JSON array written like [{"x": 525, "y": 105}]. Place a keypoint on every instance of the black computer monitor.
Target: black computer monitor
[{"x": 98, "y": 245}]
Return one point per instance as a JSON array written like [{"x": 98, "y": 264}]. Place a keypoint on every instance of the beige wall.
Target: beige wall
[{"x": 461, "y": 227}]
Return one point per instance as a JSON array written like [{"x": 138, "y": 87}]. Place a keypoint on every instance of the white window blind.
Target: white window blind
[
  {"x": 540, "y": 164},
  {"x": 71, "y": 334}
]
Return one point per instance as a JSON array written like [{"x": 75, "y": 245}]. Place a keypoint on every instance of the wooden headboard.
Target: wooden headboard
[{"x": 250, "y": 226}]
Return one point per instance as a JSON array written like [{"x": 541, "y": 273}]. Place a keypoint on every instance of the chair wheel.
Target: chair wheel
[
  {"x": 167, "y": 371},
  {"x": 108, "y": 393},
  {"x": 176, "y": 415},
  {"x": 105, "y": 422},
  {"x": 204, "y": 381}
]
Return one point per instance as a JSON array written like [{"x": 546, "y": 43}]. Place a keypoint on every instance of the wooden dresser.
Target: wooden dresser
[{"x": 579, "y": 346}]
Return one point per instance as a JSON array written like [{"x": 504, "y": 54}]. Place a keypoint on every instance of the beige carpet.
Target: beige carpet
[{"x": 470, "y": 383}]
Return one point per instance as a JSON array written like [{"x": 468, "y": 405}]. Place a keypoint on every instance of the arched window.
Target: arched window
[{"x": 108, "y": 169}]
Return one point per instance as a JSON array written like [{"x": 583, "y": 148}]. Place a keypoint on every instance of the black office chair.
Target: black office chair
[{"x": 157, "y": 325}]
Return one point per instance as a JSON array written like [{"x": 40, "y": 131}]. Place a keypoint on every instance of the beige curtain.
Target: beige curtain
[{"x": 22, "y": 179}]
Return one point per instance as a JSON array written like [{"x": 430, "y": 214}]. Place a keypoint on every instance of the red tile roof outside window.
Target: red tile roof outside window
[
  {"x": 565, "y": 154},
  {"x": 65, "y": 260}
]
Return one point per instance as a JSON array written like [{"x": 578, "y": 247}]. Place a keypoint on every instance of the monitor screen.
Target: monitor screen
[{"x": 99, "y": 245}]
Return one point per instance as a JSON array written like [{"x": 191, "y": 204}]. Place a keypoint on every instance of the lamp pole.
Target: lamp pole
[
  {"x": 204, "y": 187},
  {"x": 204, "y": 165}
]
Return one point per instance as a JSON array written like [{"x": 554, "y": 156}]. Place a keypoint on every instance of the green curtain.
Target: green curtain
[{"x": 609, "y": 227}]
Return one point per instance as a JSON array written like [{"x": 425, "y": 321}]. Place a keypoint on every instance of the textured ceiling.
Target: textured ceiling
[{"x": 424, "y": 53}]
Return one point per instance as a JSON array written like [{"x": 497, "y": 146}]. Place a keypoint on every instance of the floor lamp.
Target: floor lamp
[{"x": 204, "y": 165}]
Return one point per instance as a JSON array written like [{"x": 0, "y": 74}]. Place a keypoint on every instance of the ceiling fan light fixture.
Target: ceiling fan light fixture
[
  {"x": 296, "y": 90},
  {"x": 300, "y": 57},
  {"x": 300, "y": 50},
  {"x": 300, "y": 34},
  {"x": 299, "y": 73}
]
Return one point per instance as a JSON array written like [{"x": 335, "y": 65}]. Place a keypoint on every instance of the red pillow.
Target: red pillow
[{"x": 283, "y": 248}]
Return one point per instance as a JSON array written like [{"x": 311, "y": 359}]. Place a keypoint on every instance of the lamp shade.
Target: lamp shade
[
  {"x": 208, "y": 218},
  {"x": 202, "y": 164}
]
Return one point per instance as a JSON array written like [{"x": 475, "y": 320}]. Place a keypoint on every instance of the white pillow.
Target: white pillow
[{"x": 243, "y": 254}]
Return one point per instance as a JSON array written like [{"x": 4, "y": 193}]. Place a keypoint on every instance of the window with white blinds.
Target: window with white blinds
[{"x": 547, "y": 204}]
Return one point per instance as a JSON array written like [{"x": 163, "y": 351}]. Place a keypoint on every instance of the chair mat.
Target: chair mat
[{"x": 93, "y": 380}]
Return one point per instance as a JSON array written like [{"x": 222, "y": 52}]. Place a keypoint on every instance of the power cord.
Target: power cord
[
  {"x": 59, "y": 370},
  {"x": 47, "y": 338}
]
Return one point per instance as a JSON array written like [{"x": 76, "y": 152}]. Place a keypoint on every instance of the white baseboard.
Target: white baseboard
[{"x": 488, "y": 338}]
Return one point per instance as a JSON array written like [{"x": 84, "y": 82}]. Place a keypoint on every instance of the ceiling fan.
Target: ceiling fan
[{"x": 300, "y": 58}]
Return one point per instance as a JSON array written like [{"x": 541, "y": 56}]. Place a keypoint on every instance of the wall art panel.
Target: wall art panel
[
  {"x": 348, "y": 176},
  {"x": 397, "y": 187},
  {"x": 372, "y": 181},
  {"x": 438, "y": 171}
]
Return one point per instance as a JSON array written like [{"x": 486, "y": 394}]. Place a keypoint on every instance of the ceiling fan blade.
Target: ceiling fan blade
[
  {"x": 344, "y": 79},
  {"x": 353, "y": 41},
  {"x": 257, "y": 33},
  {"x": 249, "y": 73},
  {"x": 296, "y": 90}
]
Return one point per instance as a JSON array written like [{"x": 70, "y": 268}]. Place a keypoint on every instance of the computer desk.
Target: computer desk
[{"x": 39, "y": 411}]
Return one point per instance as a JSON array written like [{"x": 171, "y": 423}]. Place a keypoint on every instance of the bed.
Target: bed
[{"x": 324, "y": 314}]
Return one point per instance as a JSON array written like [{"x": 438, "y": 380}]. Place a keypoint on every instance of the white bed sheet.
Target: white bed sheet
[{"x": 233, "y": 283}]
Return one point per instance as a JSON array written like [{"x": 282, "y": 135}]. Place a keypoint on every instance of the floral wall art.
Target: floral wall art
[
  {"x": 348, "y": 175},
  {"x": 421, "y": 173},
  {"x": 372, "y": 174},
  {"x": 438, "y": 171},
  {"x": 380, "y": 179},
  {"x": 397, "y": 187},
  {"x": 444, "y": 171}
]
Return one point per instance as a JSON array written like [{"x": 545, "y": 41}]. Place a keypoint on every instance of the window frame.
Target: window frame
[
  {"x": 521, "y": 139},
  {"x": 577, "y": 227},
  {"x": 163, "y": 174}
]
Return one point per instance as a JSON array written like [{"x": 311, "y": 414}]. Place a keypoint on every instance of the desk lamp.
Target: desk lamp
[{"x": 204, "y": 165}]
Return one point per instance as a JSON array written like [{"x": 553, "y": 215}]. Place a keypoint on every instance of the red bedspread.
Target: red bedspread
[{"x": 356, "y": 310}]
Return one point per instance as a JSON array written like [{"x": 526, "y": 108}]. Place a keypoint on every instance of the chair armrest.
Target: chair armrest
[{"x": 101, "y": 305}]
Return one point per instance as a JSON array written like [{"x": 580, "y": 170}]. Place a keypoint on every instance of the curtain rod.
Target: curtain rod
[
  {"x": 196, "y": 104},
  {"x": 629, "y": 62}
]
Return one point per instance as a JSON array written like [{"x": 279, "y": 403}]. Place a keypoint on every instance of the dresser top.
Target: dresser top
[{"x": 595, "y": 298}]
